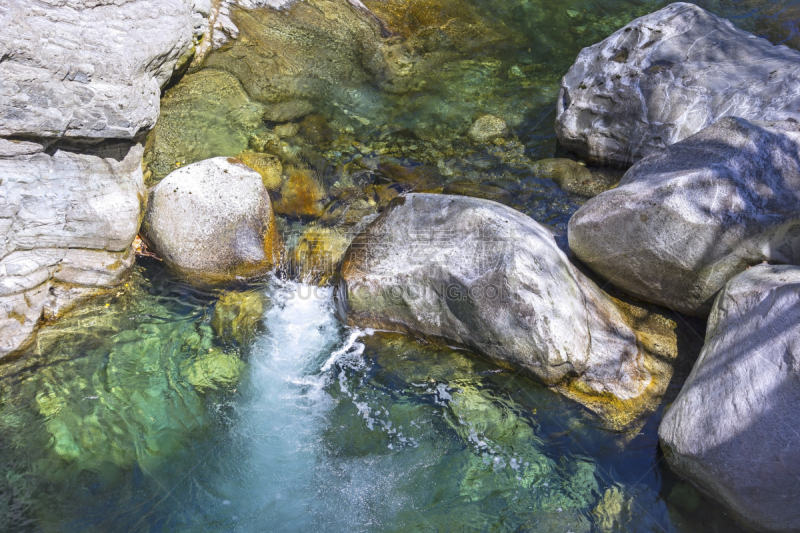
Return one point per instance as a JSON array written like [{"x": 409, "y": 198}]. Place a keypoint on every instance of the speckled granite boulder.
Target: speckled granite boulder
[
  {"x": 666, "y": 76},
  {"x": 733, "y": 430},
  {"x": 686, "y": 220},
  {"x": 212, "y": 223}
]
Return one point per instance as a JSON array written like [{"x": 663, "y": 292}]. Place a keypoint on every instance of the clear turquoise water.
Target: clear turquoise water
[{"x": 141, "y": 413}]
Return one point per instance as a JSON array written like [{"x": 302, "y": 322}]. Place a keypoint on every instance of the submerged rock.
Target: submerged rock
[
  {"x": 286, "y": 111},
  {"x": 206, "y": 115},
  {"x": 302, "y": 195},
  {"x": 575, "y": 178},
  {"x": 267, "y": 165},
  {"x": 685, "y": 221},
  {"x": 487, "y": 128},
  {"x": 318, "y": 253},
  {"x": 732, "y": 432},
  {"x": 213, "y": 370},
  {"x": 487, "y": 277},
  {"x": 128, "y": 400},
  {"x": 239, "y": 316},
  {"x": 478, "y": 190},
  {"x": 665, "y": 77},
  {"x": 212, "y": 223}
]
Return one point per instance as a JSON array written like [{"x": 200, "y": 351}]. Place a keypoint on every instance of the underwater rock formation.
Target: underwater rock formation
[
  {"x": 487, "y": 128},
  {"x": 685, "y": 221},
  {"x": 732, "y": 432},
  {"x": 575, "y": 178},
  {"x": 212, "y": 223},
  {"x": 665, "y": 77},
  {"x": 79, "y": 85},
  {"x": 487, "y": 277}
]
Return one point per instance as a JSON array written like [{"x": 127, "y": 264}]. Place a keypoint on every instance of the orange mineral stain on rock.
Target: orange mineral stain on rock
[{"x": 302, "y": 196}]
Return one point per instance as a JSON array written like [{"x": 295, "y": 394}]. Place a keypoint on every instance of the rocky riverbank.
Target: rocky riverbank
[{"x": 248, "y": 139}]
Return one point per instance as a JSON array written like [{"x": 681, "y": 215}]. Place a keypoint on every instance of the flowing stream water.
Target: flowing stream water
[
  {"x": 134, "y": 416},
  {"x": 160, "y": 407}
]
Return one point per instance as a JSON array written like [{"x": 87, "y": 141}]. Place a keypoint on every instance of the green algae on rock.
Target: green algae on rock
[
  {"x": 132, "y": 396},
  {"x": 208, "y": 114},
  {"x": 212, "y": 370},
  {"x": 238, "y": 315},
  {"x": 576, "y": 178}
]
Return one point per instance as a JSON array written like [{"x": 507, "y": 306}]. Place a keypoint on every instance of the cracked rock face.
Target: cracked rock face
[
  {"x": 685, "y": 221},
  {"x": 665, "y": 77},
  {"x": 732, "y": 432},
  {"x": 80, "y": 83},
  {"x": 212, "y": 223},
  {"x": 88, "y": 69},
  {"x": 68, "y": 216},
  {"x": 487, "y": 277}
]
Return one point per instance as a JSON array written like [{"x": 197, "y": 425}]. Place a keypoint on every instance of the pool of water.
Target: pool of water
[
  {"x": 159, "y": 407},
  {"x": 146, "y": 415}
]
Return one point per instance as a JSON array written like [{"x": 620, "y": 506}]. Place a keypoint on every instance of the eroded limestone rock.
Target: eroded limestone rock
[{"x": 80, "y": 83}]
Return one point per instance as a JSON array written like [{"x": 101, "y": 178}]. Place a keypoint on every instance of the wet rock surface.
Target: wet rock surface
[
  {"x": 665, "y": 77},
  {"x": 487, "y": 277},
  {"x": 732, "y": 432},
  {"x": 685, "y": 221},
  {"x": 212, "y": 223}
]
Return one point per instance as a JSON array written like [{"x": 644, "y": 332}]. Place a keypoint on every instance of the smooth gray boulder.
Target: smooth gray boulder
[
  {"x": 487, "y": 277},
  {"x": 685, "y": 221},
  {"x": 212, "y": 223},
  {"x": 80, "y": 83},
  {"x": 665, "y": 77},
  {"x": 733, "y": 430}
]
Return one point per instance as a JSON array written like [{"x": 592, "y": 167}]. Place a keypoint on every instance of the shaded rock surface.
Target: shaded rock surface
[
  {"x": 80, "y": 83},
  {"x": 489, "y": 278},
  {"x": 212, "y": 222},
  {"x": 732, "y": 432},
  {"x": 685, "y": 221},
  {"x": 665, "y": 77}
]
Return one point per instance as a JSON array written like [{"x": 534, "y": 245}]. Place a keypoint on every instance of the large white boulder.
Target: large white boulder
[
  {"x": 733, "y": 430},
  {"x": 212, "y": 222},
  {"x": 686, "y": 220},
  {"x": 487, "y": 277},
  {"x": 665, "y": 77}
]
